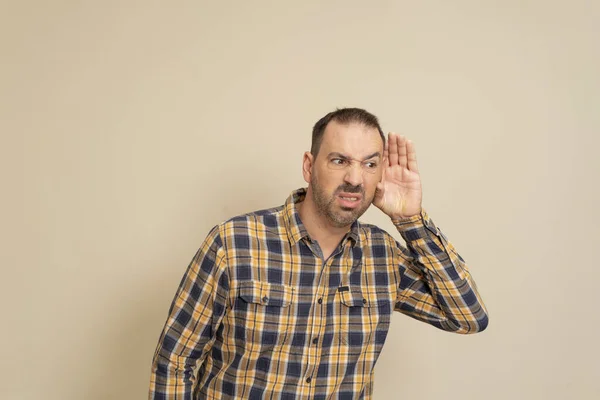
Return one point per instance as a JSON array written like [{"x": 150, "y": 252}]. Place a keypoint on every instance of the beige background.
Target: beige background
[{"x": 129, "y": 129}]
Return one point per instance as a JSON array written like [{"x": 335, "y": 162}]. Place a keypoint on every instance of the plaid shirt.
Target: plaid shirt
[{"x": 266, "y": 318}]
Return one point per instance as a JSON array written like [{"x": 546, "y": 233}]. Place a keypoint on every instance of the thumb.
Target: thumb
[{"x": 379, "y": 189}]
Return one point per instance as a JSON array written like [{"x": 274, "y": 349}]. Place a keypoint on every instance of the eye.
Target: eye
[
  {"x": 338, "y": 161},
  {"x": 371, "y": 164}
]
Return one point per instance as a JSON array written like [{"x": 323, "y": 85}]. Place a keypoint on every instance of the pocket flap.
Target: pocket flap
[
  {"x": 353, "y": 297},
  {"x": 266, "y": 294}
]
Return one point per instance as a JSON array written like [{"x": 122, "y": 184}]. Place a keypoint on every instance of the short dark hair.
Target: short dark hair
[{"x": 343, "y": 116}]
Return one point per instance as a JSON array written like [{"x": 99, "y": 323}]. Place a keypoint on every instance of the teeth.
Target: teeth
[{"x": 350, "y": 198}]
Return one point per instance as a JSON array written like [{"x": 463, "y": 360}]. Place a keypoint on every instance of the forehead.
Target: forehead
[{"x": 354, "y": 140}]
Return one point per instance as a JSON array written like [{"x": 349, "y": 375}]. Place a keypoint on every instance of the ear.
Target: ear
[{"x": 307, "y": 165}]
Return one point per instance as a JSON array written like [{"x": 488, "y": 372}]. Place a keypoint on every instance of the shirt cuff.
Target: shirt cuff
[{"x": 417, "y": 227}]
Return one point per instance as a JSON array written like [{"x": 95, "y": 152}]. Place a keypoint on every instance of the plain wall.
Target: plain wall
[{"x": 129, "y": 129}]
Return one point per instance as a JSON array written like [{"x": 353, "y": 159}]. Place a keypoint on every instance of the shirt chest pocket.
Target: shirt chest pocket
[
  {"x": 358, "y": 316},
  {"x": 263, "y": 312}
]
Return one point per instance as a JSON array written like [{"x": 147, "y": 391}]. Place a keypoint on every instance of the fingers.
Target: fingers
[
  {"x": 397, "y": 150},
  {"x": 411, "y": 156},
  {"x": 393, "y": 149},
  {"x": 401, "y": 151},
  {"x": 386, "y": 154}
]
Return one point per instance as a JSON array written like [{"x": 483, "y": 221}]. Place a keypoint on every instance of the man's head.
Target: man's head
[
  {"x": 344, "y": 165},
  {"x": 343, "y": 116}
]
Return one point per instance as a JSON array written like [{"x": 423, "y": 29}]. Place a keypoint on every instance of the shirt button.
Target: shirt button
[
  {"x": 265, "y": 299},
  {"x": 364, "y": 301},
  {"x": 320, "y": 301},
  {"x": 316, "y": 340},
  {"x": 308, "y": 379}
]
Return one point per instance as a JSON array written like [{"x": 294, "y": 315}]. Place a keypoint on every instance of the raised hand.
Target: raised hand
[{"x": 399, "y": 193}]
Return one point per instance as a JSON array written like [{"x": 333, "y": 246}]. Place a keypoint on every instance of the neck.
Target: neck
[{"x": 317, "y": 225}]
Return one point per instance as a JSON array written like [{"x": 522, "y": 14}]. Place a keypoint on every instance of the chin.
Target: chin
[{"x": 347, "y": 217}]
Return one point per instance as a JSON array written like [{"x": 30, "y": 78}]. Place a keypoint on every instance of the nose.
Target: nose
[{"x": 354, "y": 175}]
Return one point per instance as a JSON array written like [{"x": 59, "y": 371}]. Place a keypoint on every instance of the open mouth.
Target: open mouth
[{"x": 349, "y": 200}]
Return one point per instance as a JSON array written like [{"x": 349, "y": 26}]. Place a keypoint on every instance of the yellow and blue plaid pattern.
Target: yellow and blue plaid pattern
[{"x": 266, "y": 318}]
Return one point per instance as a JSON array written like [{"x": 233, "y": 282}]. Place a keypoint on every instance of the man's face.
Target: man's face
[{"x": 346, "y": 171}]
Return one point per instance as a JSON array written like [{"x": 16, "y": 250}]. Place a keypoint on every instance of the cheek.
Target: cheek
[
  {"x": 370, "y": 184},
  {"x": 329, "y": 179},
  {"x": 371, "y": 181}
]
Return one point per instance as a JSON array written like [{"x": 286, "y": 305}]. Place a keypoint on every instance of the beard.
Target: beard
[{"x": 326, "y": 204}]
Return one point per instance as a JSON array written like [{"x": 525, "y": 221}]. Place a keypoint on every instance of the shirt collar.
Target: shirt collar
[{"x": 295, "y": 228}]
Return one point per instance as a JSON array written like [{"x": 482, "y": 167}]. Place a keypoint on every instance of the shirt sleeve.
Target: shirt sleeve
[
  {"x": 435, "y": 284},
  {"x": 194, "y": 316}
]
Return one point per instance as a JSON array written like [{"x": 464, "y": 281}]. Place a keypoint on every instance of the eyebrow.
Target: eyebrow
[{"x": 340, "y": 155}]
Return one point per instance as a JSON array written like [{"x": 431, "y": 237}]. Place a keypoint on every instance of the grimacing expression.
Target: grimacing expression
[{"x": 346, "y": 171}]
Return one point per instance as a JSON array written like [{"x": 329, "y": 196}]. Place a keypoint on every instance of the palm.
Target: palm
[{"x": 399, "y": 193}]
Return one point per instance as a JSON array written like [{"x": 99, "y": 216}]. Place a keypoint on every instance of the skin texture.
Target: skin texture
[
  {"x": 399, "y": 194},
  {"x": 389, "y": 180}
]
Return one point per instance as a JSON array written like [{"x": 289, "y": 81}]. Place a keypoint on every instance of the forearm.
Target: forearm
[
  {"x": 436, "y": 286},
  {"x": 171, "y": 378},
  {"x": 189, "y": 332}
]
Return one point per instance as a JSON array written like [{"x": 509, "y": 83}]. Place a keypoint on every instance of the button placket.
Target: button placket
[{"x": 318, "y": 320}]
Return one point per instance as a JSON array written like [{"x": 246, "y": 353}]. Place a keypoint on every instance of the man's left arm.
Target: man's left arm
[{"x": 435, "y": 284}]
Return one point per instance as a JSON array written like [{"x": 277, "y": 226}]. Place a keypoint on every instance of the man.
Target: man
[{"x": 294, "y": 302}]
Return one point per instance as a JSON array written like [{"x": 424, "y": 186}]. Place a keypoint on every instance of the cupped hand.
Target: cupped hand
[{"x": 399, "y": 193}]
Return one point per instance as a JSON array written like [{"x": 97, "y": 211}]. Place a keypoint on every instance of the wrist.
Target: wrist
[{"x": 406, "y": 218}]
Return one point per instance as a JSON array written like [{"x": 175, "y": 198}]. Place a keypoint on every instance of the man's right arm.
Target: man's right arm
[{"x": 195, "y": 314}]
